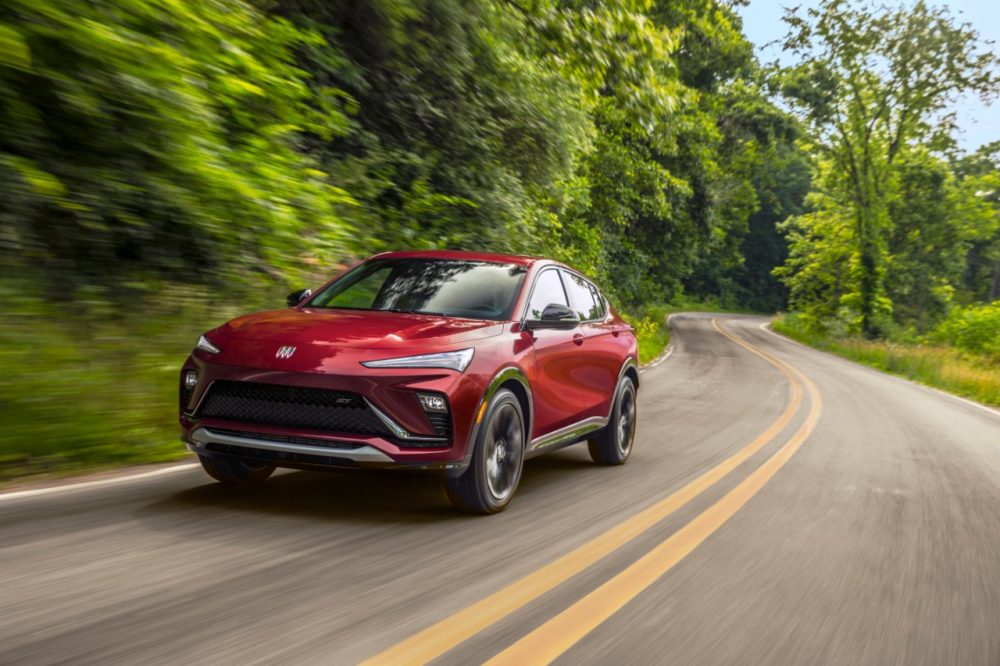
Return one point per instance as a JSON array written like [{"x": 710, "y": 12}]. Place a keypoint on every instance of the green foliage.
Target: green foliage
[
  {"x": 651, "y": 331},
  {"x": 152, "y": 137},
  {"x": 104, "y": 390},
  {"x": 872, "y": 84},
  {"x": 165, "y": 164},
  {"x": 975, "y": 329}
]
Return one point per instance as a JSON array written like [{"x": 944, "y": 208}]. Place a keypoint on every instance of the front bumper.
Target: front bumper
[
  {"x": 298, "y": 454},
  {"x": 388, "y": 392}
]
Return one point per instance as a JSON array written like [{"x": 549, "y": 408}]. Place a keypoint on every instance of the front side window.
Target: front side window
[
  {"x": 548, "y": 290},
  {"x": 446, "y": 287},
  {"x": 582, "y": 298}
]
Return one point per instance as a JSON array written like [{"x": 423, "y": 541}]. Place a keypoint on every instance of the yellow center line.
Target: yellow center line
[
  {"x": 446, "y": 634},
  {"x": 554, "y": 637}
]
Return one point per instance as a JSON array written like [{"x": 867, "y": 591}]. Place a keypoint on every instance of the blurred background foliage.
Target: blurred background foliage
[{"x": 165, "y": 165}]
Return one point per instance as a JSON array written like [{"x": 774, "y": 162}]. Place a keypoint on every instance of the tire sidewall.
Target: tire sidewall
[
  {"x": 626, "y": 385},
  {"x": 479, "y": 467}
]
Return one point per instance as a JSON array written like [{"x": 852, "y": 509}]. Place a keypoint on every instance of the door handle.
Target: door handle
[{"x": 577, "y": 339}]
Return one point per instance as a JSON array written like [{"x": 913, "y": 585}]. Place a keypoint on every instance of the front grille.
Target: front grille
[
  {"x": 291, "y": 407},
  {"x": 441, "y": 424}
]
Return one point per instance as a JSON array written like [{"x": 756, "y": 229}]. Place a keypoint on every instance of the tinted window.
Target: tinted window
[
  {"x": 582, "y": 298},
  {"x": 548, "y": 289},
  {"x": 601, "y": 303},
  {"x": 471, "y": 289}
]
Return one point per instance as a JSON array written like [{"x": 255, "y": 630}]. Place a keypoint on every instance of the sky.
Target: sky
[{"x": 977, "y": 122}]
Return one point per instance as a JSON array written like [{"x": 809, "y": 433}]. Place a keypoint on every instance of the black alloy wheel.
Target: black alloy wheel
[
  {"x": 613, "y": 444},
  {"x": 495, "y": 470}
]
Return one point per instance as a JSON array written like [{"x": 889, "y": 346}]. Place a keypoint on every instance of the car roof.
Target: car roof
[{"x": 520, "y": 260}]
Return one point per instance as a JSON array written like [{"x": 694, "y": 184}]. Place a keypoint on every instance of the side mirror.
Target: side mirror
[
  {"x": 297, "y": 297},
  {"x": 557, "y": 317}
]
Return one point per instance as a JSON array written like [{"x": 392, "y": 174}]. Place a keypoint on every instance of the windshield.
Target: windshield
[{"x": 470, "y": 289}]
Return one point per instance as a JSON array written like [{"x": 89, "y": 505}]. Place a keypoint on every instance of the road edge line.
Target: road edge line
[{"x": 49, "y": 490}]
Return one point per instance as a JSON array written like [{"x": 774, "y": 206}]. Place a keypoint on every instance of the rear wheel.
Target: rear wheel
[
  {"x": 234, "y": 472},
  {"x": 495, "y": 470},
  {"x": 613, "y": 445}
]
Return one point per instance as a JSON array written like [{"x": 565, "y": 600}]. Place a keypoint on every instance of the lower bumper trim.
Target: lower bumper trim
[{"x": 202, "y": 437}]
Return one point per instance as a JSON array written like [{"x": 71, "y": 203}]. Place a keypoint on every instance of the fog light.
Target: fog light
[
  {"x": 190, "y": 379},
  {"x": 433, "y": 402}
]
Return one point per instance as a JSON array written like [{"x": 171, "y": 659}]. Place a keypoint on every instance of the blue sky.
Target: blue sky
[{"x": 977, "y": 122}]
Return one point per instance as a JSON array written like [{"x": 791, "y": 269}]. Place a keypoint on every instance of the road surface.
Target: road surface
[{"x": 782, "y": 506}]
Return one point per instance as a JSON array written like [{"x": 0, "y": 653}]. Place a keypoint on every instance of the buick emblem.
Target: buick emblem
[{"x": 285, "y": 351}]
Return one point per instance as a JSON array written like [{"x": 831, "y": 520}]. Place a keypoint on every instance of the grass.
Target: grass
[
  {"x": 940, "y": 366},
  {"x": 87, "y": 390}
]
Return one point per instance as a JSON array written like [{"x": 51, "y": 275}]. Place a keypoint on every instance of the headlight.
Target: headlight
[
  {"x": 206, "y": 345},
  {"x": 455, "y": 360}
]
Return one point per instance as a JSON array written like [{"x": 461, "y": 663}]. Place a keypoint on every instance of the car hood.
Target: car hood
[{"x": 368, "y": 329}]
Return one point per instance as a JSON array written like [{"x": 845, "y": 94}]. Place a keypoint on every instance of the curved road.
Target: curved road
[{"x": 782, "y": 506}]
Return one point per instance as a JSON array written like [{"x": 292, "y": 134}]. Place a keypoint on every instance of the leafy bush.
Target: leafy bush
[
  {"x": 651, "y": 331},
  {"x": 975, "y": 329}
]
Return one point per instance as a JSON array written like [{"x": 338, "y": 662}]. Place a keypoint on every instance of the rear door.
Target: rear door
[
  {"x": 600, "y": 358},
  {"x": 555, "y": 370}
]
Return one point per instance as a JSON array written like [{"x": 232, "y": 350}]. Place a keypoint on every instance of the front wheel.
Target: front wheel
[
  {"x": 613, "y": 445},
  {"x": 492, "y": 477},
  {"x": 233, "y": 472}
]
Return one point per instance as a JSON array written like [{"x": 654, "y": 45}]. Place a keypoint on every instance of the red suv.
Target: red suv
[{"x": 460, "y": 362}]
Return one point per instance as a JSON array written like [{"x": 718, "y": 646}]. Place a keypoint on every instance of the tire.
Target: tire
[
  {"x": 613, "y": 445},
  {"x": 232, "y": 472},
  {"x": 497, "y": 461}
]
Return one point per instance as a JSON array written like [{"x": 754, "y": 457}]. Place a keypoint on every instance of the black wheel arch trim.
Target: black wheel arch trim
[{"x": 499, "y": 379}]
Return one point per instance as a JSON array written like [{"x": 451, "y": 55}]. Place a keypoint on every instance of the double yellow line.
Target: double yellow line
[{"x": 558, "y": 634}]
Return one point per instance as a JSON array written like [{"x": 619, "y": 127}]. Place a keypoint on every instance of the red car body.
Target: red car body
[{"x": 565, "y": 380}]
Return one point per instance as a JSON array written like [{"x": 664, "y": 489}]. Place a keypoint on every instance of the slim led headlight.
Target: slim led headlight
[
  {"x": 454, "y": 360},
  {"x": 206, "y": 345}
]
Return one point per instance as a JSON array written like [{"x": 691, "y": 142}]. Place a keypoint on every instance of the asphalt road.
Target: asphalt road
[{"x": 782, "y": 506}]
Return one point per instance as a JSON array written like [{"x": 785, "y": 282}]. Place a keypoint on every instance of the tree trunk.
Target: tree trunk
[
  {"x": 868, "y": 286},
  {"x": 995, "y": 287}
]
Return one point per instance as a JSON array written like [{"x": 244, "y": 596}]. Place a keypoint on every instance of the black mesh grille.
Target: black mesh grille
[
  {"x": 441, "y": 424},
  {"x": 291, "y": 407}
]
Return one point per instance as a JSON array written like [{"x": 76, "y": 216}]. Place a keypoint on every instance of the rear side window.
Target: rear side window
[
  {"x": 583, "y": 297},
  {"x": 548, "y": 290},
  {"x": 601, "y": 303}
]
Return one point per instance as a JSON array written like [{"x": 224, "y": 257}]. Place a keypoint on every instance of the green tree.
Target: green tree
[
  {"x": 156, "y": 138},
  {"x": 979, "y": 175},
  {"x": 872, "y": 81}
]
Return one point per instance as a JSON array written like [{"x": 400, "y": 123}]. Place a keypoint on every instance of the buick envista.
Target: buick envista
[{"x": 456, "y": 362}]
